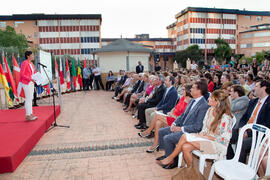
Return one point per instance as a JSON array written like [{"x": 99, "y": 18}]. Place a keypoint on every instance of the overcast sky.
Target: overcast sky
[{"x": 127, "y": 17}]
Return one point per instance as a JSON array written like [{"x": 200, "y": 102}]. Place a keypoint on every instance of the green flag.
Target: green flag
[
  {"x": 73, "y": 68},
  {"x": 8, "y": 63},
  {"x": 73, "y": 73}
]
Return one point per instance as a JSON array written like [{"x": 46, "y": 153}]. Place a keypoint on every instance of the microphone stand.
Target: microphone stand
[{"x": 53, "y": 91}]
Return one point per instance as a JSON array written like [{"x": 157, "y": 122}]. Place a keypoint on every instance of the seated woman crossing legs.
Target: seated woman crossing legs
[
  {"x": 215, "y": 135},
  {"x": 148, "y": 88},
  {"x": 162, "y": 120}
]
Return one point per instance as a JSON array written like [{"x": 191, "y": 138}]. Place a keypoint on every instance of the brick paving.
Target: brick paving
[{"x": 101, "y": 143}]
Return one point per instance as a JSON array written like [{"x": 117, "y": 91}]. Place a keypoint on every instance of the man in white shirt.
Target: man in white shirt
[
  {"x": 193, "y": 66},
  {"x": 96, "y": 72}
]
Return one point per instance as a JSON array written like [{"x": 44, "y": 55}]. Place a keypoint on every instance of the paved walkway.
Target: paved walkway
[{"x": 101, "y": 143}]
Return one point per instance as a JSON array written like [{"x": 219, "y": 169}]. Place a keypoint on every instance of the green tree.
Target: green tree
[
  {"x": 248, "y": 59},
  {"x": 260, "y": 56},
  {"x": 223, "y": 50},
  {"x": 8, "y": 53},
  {"x": 193, "y": 52},
  {"x": 9, "y": 38}
]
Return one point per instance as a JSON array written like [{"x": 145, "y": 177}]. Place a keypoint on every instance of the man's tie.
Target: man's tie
[{"x": 250, "y": 121}]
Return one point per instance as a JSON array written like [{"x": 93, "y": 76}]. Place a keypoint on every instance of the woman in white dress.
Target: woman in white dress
[{"x": 215, "y": 135}]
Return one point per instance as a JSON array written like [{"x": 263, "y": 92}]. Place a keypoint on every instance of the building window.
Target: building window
[
  {"x": 259, "y": 18},
  {"x": 35, "y": 23},
  {"x": 247, "y": 36},
  {"x": 248, "y": 17},
  {"x": 249, "y": 45},
  {"x": 265, "y": 44},
  {"x": 16, "y": 23},
  {"x": 3, "y": 24},
  {"x": 197, "y": 41},
  {"x": 243, "y": 46},
  {"x": 262, "y": 34},
  {"x": 36, "y": 35}
]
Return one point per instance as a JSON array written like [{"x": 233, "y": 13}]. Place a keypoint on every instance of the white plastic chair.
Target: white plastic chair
[
  {"x": 233, "y": 169},
  {"x": 203, "y": 157}
]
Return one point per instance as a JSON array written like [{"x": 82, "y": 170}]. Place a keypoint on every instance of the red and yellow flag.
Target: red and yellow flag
[
  {"x": 3, "y": 80},
  {"x": 79, "y": 74},
  {"x": 10, "y": 79}
]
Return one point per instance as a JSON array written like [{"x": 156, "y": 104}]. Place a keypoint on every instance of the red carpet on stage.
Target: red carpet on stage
[{"x": 18, "y": 136}]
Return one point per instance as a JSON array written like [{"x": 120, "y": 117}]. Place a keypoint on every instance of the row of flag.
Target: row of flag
[
  {"x": 75, "y": 75},
  {"x": 10, "y": 79}
]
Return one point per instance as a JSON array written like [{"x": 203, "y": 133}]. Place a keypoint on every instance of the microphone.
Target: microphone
[{"x": 42, "y": 65}]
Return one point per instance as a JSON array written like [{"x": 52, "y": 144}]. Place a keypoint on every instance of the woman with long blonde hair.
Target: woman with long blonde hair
[{"x": 215, "y": 135}]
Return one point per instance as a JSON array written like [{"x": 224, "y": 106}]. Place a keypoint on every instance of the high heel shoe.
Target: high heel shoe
[
  {"x": 141, "y": 135},
  {"x": 171, "y": 165},
  {"x": 153, "y": 150}
]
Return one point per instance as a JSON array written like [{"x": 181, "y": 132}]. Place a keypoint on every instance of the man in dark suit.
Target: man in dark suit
[
  {"x": 157, "y": 67},
  {"x": 191, "y": 121},
  {"x": 152, "y": 101},
  {"x": 167, "y": 102},
  {"x": 120, "y": 82},
  {"x": 258, "y": 112},
  {"x": 137, "y": 88},
  {"x": 139, "y": 67}
]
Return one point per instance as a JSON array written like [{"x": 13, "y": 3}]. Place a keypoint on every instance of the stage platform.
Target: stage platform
[{"x": 18, "y": 136}]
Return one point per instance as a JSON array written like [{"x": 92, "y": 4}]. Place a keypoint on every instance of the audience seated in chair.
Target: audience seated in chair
[
  {"x": 152, "y": 101},
  {"x": 167, "y": 102},
  {"x": 258, "y": 112},
  {"x": 239, "y": 102},
  {"x": 120, "y": 81},
  {"x": 127, "y": 86},
  {"x": 137, "y": 88},
  {"x": 136, "y": 96},
  {"x": 191, "y": 121},
  {"x": 162, "y": 120},
  {"x": 215, "y": 135}
]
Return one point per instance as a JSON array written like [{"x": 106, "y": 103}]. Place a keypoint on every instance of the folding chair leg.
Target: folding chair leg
[
  {"x": 180, "y": 159},
  {"x": 201, "y": 165},
  {"x": 211, "y": 174}
]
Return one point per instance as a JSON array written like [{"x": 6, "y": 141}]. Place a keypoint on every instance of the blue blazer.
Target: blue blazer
[
  {"x": 167, "y": 103},
  {"x": 192, "y": 120}
]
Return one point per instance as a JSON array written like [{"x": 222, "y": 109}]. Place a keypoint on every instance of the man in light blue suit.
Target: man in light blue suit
[{"x": 191, "y": 121}]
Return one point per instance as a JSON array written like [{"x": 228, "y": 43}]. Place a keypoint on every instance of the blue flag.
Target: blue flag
[
  {"x": 39, "y": 89},
  {"x": 20, "y": 61}
]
